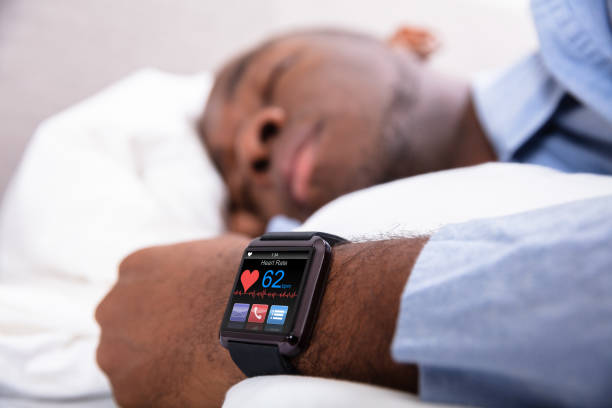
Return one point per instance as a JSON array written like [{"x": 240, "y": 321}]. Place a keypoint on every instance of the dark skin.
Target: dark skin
[
  {"x": 311, "y": 116},
  {"x": 160, "y": 323},
  {"x": 367, "y": 111}
]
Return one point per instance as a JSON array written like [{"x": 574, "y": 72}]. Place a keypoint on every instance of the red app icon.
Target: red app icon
[{"x": 258, "y": 313}]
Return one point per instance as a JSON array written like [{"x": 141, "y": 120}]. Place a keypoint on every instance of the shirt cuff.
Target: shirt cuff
[{"x": 513, "y": 310}]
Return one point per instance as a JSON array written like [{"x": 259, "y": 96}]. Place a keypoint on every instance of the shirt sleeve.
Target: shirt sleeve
[{"x": 515, "y": 310}]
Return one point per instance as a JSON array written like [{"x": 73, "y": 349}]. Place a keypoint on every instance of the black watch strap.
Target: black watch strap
[
  {"x": 259, "y": 359},
  {"x": 266, "y": 359},
  {"x": 302, "y": 236}
]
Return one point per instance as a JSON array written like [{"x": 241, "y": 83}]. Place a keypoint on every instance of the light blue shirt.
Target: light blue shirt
[
  {"x": 517, "y": 310},
  {"x": 514, "y": 311},
  {"x": 555, "y": 107}
]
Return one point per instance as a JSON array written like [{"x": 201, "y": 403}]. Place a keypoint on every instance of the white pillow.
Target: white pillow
[{"x": 121, "y": 170}]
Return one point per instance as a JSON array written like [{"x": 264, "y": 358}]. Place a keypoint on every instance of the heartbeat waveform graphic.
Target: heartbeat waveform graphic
[{"x": 263, "y": 293}]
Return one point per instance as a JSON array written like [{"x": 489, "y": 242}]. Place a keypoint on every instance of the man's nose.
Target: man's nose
[{"x": 255, "y": 140}]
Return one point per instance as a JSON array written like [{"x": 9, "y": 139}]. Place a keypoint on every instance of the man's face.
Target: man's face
[{"x": 298, "y": 123}]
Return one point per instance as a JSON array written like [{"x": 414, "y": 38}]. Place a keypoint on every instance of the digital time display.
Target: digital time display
[{"x": 266, "y": 292}]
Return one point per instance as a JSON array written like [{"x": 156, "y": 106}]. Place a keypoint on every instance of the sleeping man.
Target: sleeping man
[{"x": 506, "y": 311}]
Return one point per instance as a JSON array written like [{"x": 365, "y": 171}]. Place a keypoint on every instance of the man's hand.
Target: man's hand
[{"x": 160, "y": 324}]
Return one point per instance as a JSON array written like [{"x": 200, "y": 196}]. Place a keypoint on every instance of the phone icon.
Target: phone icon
[{"x": 258, "y": 313}]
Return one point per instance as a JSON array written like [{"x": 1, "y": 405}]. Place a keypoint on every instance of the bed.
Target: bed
[{"x": 98, "y": 181}]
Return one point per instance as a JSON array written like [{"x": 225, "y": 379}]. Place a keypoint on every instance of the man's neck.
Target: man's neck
[
  {"x": 472, "y": 144},
  {"x": 441, "y": 129}
]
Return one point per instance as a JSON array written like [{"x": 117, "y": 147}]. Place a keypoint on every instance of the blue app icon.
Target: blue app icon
[
  {"x": 239, "y": 312},
  {"x": 277, "y": 314}
]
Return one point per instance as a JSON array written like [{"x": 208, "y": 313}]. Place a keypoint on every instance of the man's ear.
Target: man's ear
[{"x": 415, "y": 40}]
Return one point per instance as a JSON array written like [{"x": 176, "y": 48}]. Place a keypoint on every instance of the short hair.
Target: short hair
[{"x": 239, "y": 67}]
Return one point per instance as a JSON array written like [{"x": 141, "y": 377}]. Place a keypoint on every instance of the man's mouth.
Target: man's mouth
[{"x": 301, "y": 165}]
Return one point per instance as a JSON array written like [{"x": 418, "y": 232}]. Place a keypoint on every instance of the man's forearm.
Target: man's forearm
[
  {"x": 160, "y": 345},
  {"x": 356, "y": 323}
]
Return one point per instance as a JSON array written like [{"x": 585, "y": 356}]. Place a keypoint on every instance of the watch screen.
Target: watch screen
[{"x": 267, "y": 290}]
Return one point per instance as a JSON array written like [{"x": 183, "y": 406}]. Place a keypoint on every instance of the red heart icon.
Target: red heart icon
[{"x": 248, "y": 278}]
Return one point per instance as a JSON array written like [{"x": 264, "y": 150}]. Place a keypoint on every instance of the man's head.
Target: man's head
[{"x": 305, "y": 118}]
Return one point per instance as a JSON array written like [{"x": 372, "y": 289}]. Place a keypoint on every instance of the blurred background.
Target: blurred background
[{"x": 55, "y": 53}]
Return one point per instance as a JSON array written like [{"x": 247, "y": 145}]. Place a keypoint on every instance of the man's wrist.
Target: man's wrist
[{"x": 356, "y": 322}]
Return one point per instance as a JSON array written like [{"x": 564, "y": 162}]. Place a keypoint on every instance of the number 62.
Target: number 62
[{"x": 267, "y": 279}]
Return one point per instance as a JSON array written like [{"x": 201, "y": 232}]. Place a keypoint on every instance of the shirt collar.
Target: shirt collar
[{"x": 576, "y": 47}]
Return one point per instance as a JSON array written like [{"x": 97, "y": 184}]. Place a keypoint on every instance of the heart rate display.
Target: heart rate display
[
  {"x": 280, "y": 274},
  {"x": 248, "y": 278},
  {"x": 269, "y": 283}
]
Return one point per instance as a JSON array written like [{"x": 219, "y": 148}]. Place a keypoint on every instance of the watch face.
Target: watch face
[{"x": 267, "y": 291}]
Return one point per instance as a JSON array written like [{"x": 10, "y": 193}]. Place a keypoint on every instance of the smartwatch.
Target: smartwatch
[{"x": 274, "y": 302}]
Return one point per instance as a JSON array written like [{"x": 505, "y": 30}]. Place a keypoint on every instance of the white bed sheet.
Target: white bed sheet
[
  {"x": 309, "y": 392},
  {"x": 421, "y": 204},
  {"x": 119, "y": 171}
]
